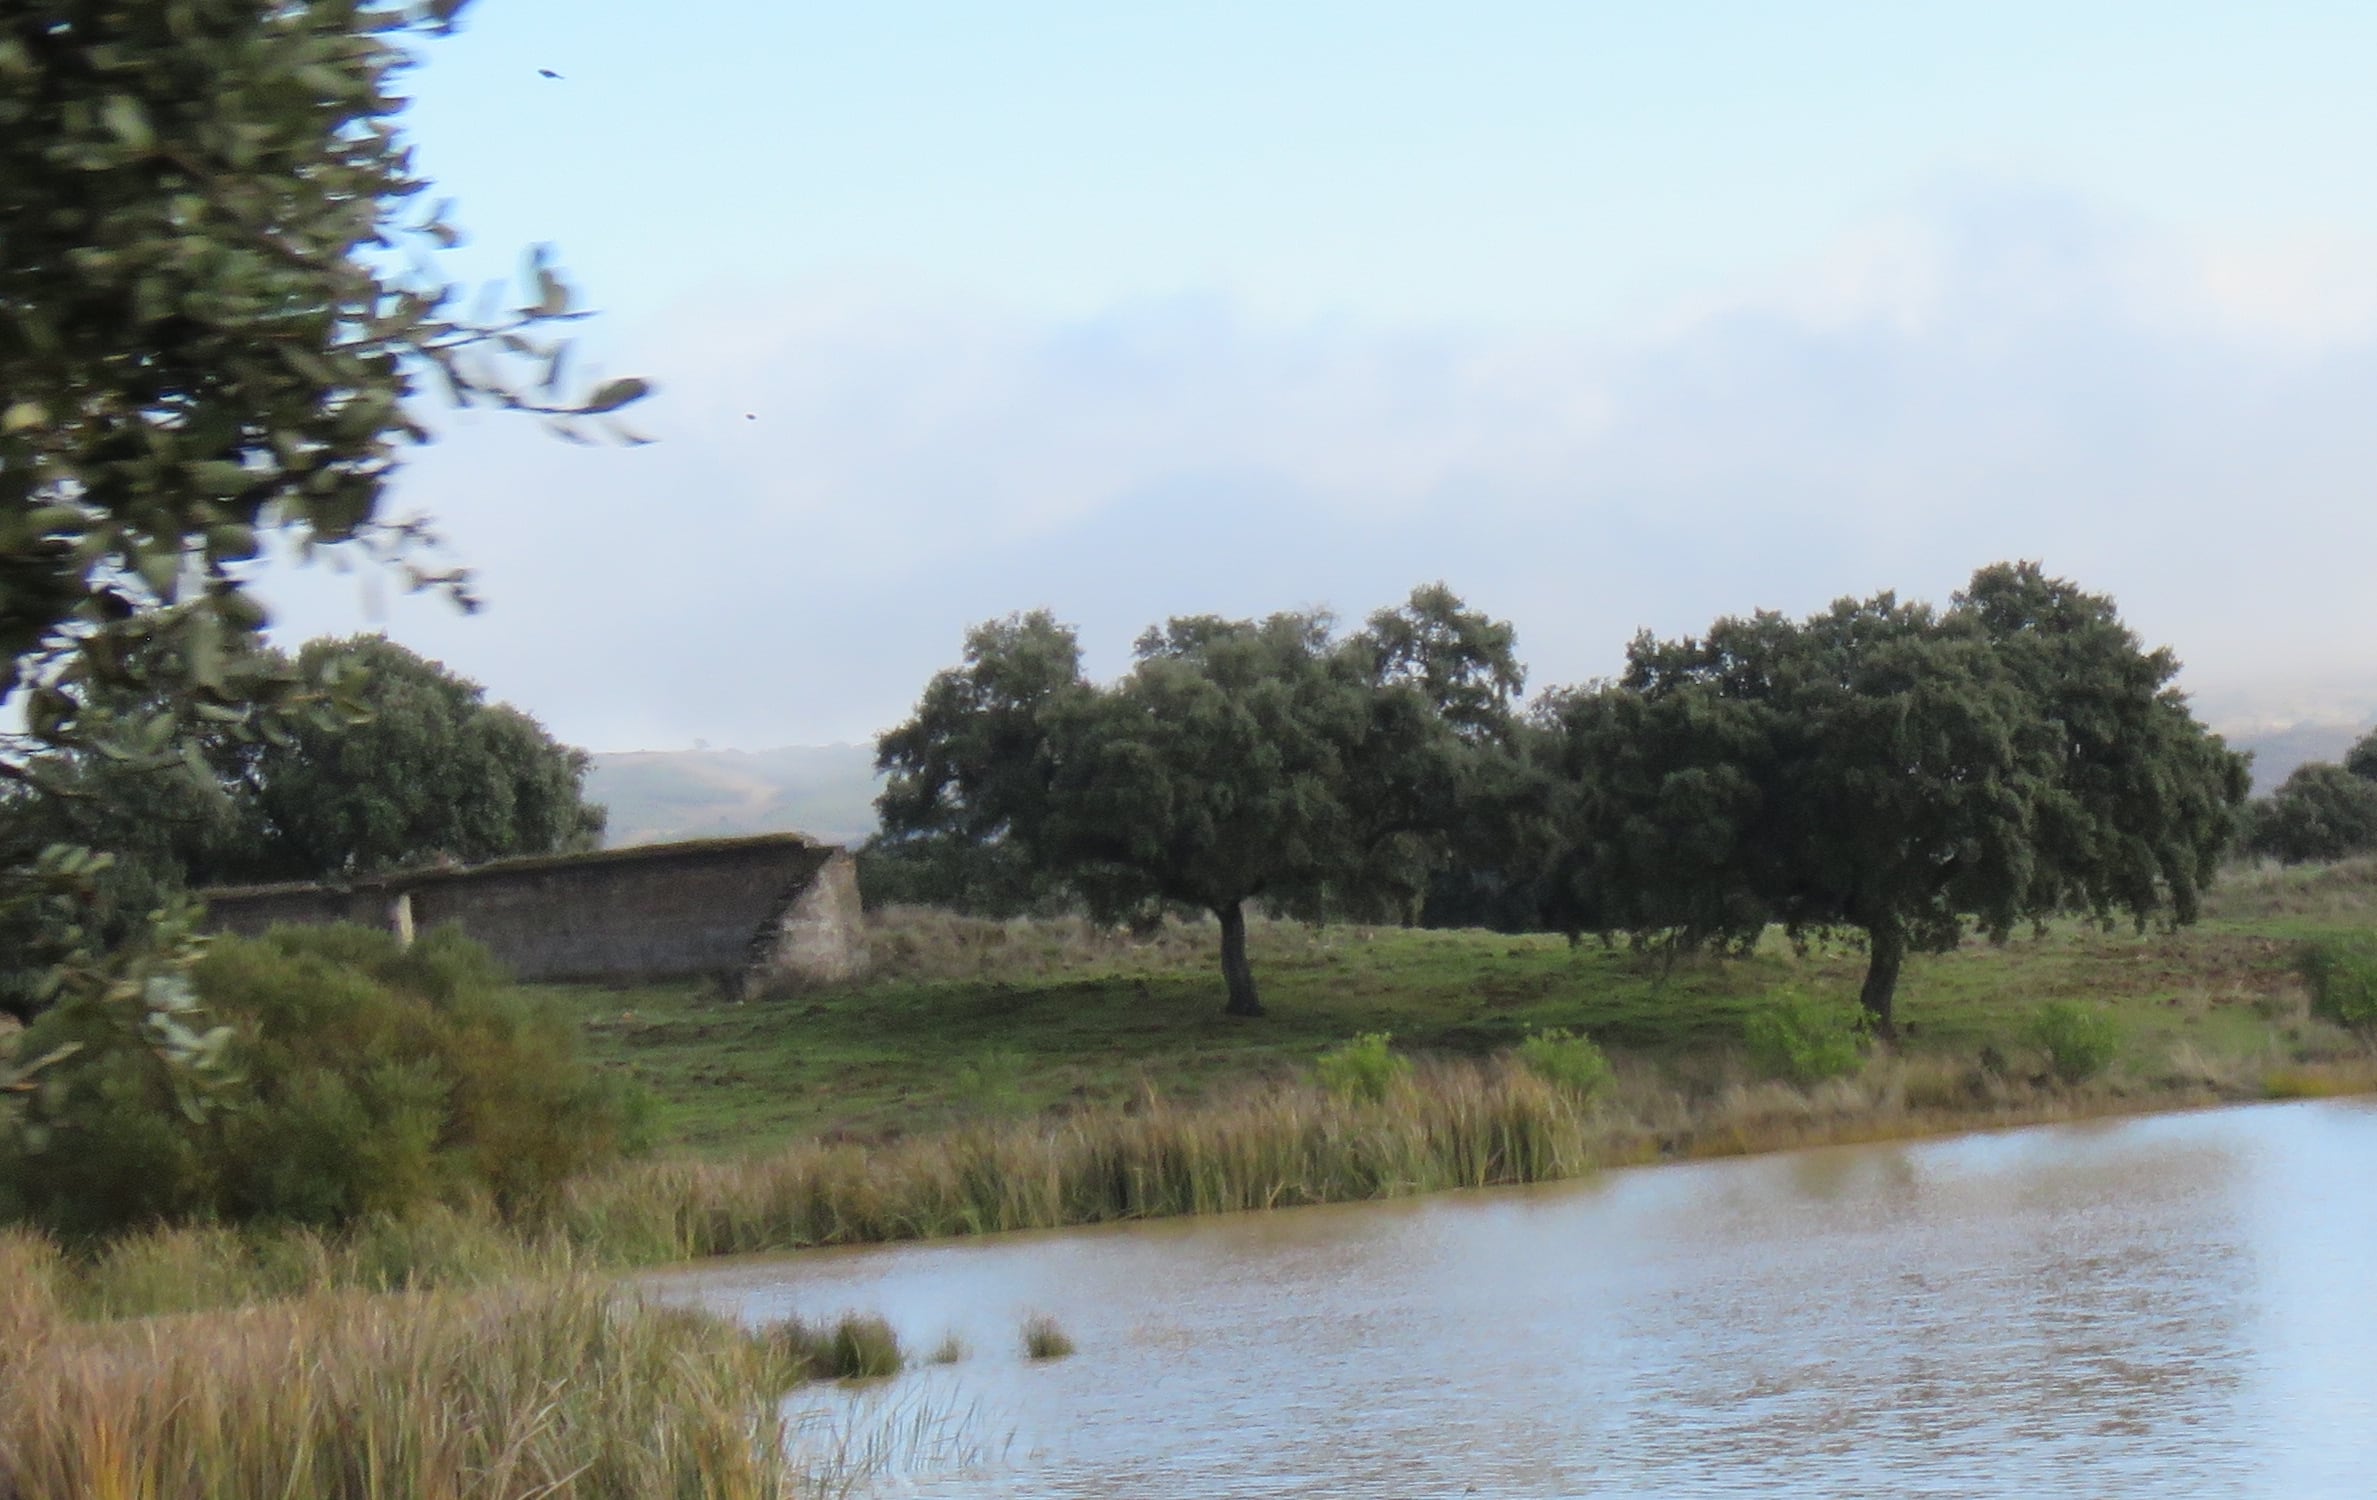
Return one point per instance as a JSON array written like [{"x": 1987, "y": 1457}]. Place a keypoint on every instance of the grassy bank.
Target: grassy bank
[{"x": 968, "y": 1022}]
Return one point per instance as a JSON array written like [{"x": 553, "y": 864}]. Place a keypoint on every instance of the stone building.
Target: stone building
[{"x": 761, "y": 915}]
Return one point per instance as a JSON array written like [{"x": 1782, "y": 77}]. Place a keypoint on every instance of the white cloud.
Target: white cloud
[{"x": 1984, "y": 372}]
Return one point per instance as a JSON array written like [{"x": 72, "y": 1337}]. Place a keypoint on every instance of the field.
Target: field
[{"x": 968, "y": 1020}]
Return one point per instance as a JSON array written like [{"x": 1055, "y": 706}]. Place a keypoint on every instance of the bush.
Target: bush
[
  {"x": 2080, "y": 1041},
  {"x": 372, "y": 1080},
  {"x": 1805, "y": 1038},
  {"x": 2342, "y": 976},
  {"x": 1566, "y": 1061},
  {"x": 1362, "y": 1068}
]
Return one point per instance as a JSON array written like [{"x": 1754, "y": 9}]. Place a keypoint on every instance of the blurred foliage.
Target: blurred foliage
[
  {"x": 357, "y": 1078},
  {"x": 219, "y": 304}
]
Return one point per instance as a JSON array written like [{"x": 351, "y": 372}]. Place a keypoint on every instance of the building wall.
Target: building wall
[{"x": 758, "y": 914}]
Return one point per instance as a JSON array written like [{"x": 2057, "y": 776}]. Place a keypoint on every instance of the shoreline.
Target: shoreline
[{"x": 1459, "y": 1126}]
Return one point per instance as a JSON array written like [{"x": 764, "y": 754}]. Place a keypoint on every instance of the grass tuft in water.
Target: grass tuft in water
[
  {"x": 1043, "y": 1339},
  {"x": 862, "y": 1347}
]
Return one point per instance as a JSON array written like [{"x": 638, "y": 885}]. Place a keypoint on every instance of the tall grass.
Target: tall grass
[
  {"x": 1457, "y": 1126},
  {"x": 550, "y": 1388}
]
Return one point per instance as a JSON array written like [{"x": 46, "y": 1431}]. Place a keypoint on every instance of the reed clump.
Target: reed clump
[
  {"x": 861, "y": 1346},
  {"x": 557, "y": 1387},
  {"x": 1044, "y": 1339}
]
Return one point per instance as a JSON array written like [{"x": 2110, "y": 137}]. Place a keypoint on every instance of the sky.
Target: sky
[{"x": 1612, "y": 317}]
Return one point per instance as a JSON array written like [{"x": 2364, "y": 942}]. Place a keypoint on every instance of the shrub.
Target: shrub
[
  {"x": 2079, "y": 1040},
  {"x": 372, "y": 1081},
  {"x": 2342, "y": 976},
  {"x": 1805, "y": 1038},
  {"x": 1566, "y": 1061},
  {"x": 1043, "y": 1339},
  {"x": 1362, "y": 1068}
]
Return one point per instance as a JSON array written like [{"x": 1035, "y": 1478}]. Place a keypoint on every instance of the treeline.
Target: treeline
[
  {"x": 2321, "y": 811},
  {"x": 1884, "y": 769},
  {"x": 365, "y": 758}
]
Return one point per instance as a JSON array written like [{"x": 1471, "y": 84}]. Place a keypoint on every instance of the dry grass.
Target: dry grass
[
  {"x": 2264, "y": 890},
  {"x": 550, "y": 1388}
]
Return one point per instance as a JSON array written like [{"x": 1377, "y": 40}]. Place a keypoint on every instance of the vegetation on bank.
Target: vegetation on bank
[{"x": 353, "y": 1079}]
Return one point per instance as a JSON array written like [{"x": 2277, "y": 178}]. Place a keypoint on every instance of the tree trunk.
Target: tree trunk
[
  {"x": 1236, "y": 972},
  {"x": 1888, "y": 942}
]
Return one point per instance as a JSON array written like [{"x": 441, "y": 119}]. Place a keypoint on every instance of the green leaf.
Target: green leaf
[
  {"x": 218, "y": 477},
  {"x": 127, "y": 121},
  {"x": 614, "y": 394}
]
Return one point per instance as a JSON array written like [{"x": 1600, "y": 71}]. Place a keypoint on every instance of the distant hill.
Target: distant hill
[
  {"x": 658, "y": 795},
  {"x": 829, "y": 790},
  {"x": 2276, "y": 752}
]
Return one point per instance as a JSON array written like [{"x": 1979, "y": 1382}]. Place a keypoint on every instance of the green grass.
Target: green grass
[{"x": 979, "y": 1020}]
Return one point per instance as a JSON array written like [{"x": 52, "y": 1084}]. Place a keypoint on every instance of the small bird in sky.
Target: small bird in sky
[
  {"x": 751, "y": 416},
  {"x": 546, "y": 73}
]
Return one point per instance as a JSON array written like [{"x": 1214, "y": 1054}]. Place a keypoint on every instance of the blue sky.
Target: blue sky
[{"x": 1613, "y": 317}]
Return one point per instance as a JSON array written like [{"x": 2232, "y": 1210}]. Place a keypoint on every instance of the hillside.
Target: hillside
[
  {"x": 2276, "y": 752},
  {"x": 658, "y": 795}
]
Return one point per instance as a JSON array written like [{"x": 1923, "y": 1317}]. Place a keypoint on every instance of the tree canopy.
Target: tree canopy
[
  {"x": 2321, "y": 811},
  {"x": 2361, "y": 759},
  {"x": 419, "y": 768},
  {"x": 1237, "y": 761},
  {"x": 217, "y": 300},
  {"x": 1896, "y": 771},
  {"x": 429, "y": 771}
]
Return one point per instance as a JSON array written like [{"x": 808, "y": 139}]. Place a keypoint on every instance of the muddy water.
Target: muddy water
[{"x": 2184, "y": 1305}]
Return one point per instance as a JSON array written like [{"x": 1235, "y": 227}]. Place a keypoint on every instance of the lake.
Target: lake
[{"x": 2171, "y": 1305}]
